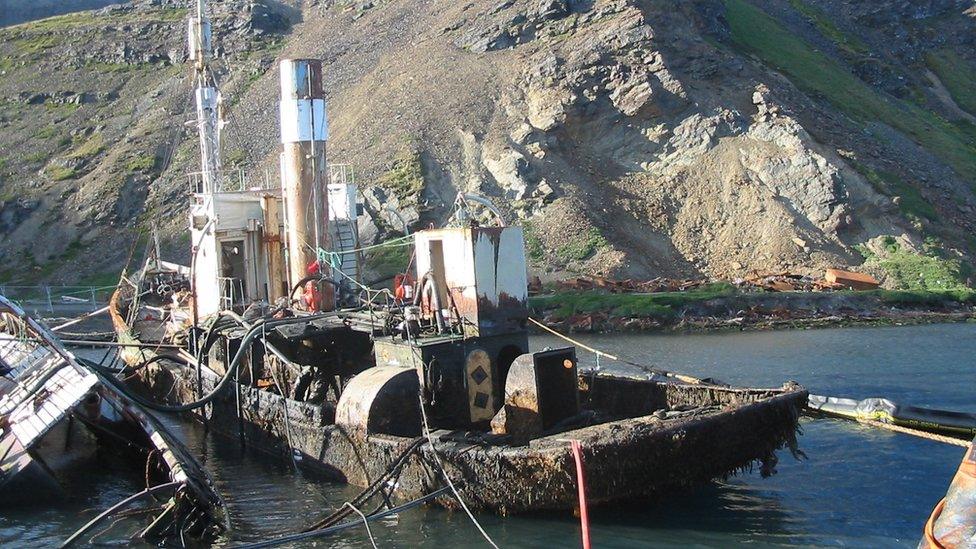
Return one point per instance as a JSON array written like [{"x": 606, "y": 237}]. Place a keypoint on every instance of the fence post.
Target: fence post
[
  {"x": 50, "y": 304},
  {"x": 94, "y": 303}
]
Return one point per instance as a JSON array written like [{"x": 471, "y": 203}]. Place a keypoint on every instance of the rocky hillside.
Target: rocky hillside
[
  {"x": 631, "y": 137},
  {"x": 19, "y": 11}
]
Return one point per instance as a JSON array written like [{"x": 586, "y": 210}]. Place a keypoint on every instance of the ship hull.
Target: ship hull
[{"x": 639, "y": 456}]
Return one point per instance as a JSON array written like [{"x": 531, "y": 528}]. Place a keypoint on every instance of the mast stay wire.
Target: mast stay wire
[{"x": 433, "y": 449}]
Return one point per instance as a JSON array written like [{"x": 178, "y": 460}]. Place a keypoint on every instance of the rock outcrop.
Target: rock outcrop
[{"x": 632, "y": 138}]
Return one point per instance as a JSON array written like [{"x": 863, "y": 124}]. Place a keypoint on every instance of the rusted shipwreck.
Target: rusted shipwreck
[
  {"x": 410, "y": 393},
  {"x": 272, "y": 335},
  {"x": 57, "y": 415}
]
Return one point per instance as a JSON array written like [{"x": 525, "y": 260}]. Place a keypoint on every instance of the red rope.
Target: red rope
[{"x": 581, "y": 483}]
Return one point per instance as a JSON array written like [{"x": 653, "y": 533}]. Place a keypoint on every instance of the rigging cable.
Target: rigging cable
[
  {"x": 365, "y": 522},
  {"x": 345, "y": 525},
  {"x": 433, "y": 449}
]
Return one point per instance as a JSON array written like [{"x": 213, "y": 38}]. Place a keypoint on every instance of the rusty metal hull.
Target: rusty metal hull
[{"x": 636, "y": 455}]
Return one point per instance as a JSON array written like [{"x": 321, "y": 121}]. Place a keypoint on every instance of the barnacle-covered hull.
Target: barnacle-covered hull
[{"x": 653, "y": 437}]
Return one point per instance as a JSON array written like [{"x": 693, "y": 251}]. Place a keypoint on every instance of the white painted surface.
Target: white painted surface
[
  {"x": 303, "y": 120},
  {"x": 342, "y": 201},
  {"x": 479, "y": 264},
  {"x": 200, "y": 39}
]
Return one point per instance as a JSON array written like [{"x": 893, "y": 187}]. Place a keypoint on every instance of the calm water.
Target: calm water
[{"x": 859, "y": 487}]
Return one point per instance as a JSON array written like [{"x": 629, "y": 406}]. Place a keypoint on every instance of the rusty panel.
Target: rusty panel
[
  {"x": 502, "y": 283},
  {"x": 855, "y": 281}
]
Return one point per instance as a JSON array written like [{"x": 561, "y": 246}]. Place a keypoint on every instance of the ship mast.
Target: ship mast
[{"x": 207, "y": 99}]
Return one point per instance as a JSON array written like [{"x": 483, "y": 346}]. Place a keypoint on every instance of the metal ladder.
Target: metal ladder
[{"x": 346, "y": 239}]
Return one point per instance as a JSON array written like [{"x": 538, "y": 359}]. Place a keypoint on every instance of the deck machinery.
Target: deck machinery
[{"x": 459, "y": 342}]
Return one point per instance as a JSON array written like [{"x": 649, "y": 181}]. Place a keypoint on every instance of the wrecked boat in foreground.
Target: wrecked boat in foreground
[{"x": 56, "y": 415}]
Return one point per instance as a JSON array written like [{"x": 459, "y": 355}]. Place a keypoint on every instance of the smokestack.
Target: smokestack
[{"x": 304, "y": 172}]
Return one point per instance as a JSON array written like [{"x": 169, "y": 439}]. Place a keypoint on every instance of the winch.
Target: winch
[{"x": 461, "y": 335}]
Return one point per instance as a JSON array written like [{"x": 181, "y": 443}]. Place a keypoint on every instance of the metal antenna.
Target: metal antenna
[{"x": 207, "y": 99}]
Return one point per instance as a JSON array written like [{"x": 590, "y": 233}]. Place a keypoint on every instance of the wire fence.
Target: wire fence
[{"x": 51, "y": 298}]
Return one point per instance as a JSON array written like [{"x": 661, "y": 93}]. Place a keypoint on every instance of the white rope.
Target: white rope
[{"x": 365, "y": 522}]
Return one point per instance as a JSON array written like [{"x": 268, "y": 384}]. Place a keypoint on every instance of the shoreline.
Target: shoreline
[{"x": 734, "y": 310}]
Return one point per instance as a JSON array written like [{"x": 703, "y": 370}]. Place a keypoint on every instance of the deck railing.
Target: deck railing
[{"x": 51, "y": 298}]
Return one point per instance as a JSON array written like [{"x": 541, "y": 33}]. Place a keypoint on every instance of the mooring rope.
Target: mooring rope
[
  {"x": 599, "y": 353},
  {"x": 914, "y": 432}
]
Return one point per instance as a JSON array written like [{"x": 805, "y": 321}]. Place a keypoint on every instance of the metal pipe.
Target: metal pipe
[
  {"x": 81, "y": 318},
  {"x": 304, "y": 175},
  {"x": 272, "y": 247}
]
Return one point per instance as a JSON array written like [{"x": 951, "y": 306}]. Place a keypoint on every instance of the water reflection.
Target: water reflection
[{"x": 860, "y": 487}]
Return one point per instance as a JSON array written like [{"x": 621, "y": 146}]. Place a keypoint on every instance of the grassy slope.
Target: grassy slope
[
  {"x": 659, "y": 305},
  {"x": 756, "y": 32},
  {"x": 666, "y": 306},
  {"x": 958, "y": 76}
]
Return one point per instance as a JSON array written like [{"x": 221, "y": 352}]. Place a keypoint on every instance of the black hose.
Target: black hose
[
  {"x": 157, "y": 358},
  {"x": 370, "y": 490},
  {"x": 117, "y": 507},
  {"x": 257, "y": 329}
]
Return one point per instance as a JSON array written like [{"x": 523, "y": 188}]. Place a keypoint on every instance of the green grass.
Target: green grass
[
  {"x": 100, "y": 280},
  {"x": 957, "y": 75},
  {"x": 141, "y": 163},
  {"x": 48, "y": 132},
  {"x": 235, "y": 158},
  {"x": 533, "y": 244},
  {"x": 60, "y": 173},
  {"x": 105, "y": 67},
  {"x": 917, "y": 271},
  {"x": 657, "y": 305},
  {"x": 388, "y": 260},
  {"x": 37, "y": 157},
  {"x": 34, "y": 43},
  {"x": 89, "y": 148},
  {"x": 757, "y": 33},
  {"x": 405, "y": 178},
  {"x": 912, "y": 204},
  {"x": 73, "y": 250},
  {"x": 926, "y": 297},
  {"x": 62, "y": 108},
  {"x": 827, "y": 28},
  {"x": 582, "y": 248},
  {"x": 59, "y": 23}
]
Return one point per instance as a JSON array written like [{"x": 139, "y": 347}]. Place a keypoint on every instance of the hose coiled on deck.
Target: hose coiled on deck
[{"x": 256, "y": 330}]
